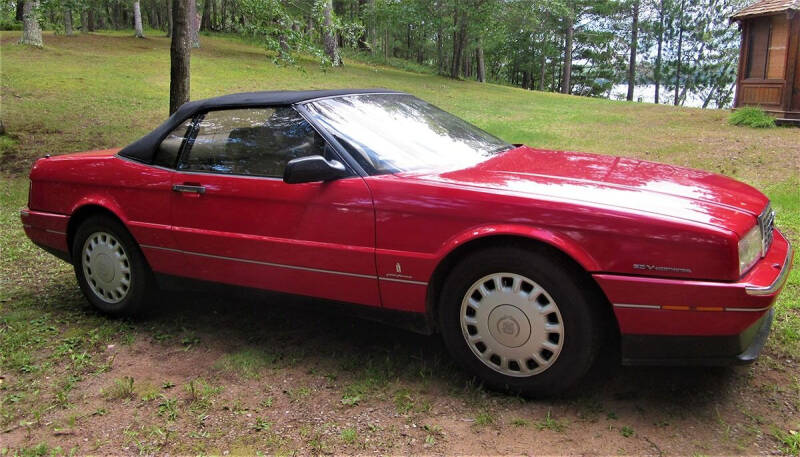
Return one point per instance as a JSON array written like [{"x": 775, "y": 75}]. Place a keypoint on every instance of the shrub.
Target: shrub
[{"x": 752, "y": 117}]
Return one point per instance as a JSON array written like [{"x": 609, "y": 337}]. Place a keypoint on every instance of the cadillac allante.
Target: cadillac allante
[{"x": 522, "y": 259}]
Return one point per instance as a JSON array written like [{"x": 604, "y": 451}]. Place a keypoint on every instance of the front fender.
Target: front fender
[{"x": 550, "y": 237}]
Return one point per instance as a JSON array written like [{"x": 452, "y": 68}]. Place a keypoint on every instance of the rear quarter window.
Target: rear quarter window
[{"x": 170, "y": 147}]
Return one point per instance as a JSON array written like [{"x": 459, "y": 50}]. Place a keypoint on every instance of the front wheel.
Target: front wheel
[
  {"x": 520, "y": 320},
  {"x": 111, "y": 270}
]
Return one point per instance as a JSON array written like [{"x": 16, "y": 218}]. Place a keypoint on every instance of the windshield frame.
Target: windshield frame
[{"x": 332, "y": 136}]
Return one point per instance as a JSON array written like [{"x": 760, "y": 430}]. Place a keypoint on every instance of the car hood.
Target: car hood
[{"x": 608, "y": 181}]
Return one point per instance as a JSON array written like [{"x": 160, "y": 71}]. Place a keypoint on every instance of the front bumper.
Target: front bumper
[
  {"x": 662, "y": 350},
  {"x": 671, "y": 321}
]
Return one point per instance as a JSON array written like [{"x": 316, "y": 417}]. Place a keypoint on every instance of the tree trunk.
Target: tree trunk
[
  {"x": 18, "y": 13},
  {"x": 137, "y": 20},
  {"x": 329, "y": 35},
  {"x": 205, "y": 21},
  {"x": 386, "y": 44},
  {"x": 283, "y": 45},
  {"x": 169, "y": 19},
  {"x": 372, "y": 26},
  {"x": 111, "y": 16},
  {"x": 440, "y": 48},
  {"x": 556, "y": 69},
  {"x": 223, "y": 15},
  {"x": 31, "y": 32},
  {"x": 67, "y": 22},
  {"x": 634, "y": 45},
  {"x": 566, "y": 74},
  {"x": 362, "y": 38},
  {"x": 459, "y": 43},
  {"x": 481, "y": 71},
  {"x": 657, "y": 70},
  {"x": 84, "y": 22},
  {"x": 680, "y": 52},
  {"x": 180, "y": 52},
  {"x": 118, "y": 19},
  {"x": 194, "y": 24},
  {"x": 91, "y": 24},
  {"x": 408, "y": 42},
  {"x": 544, "y": 69},
  {"x": 155, "y": 18}
]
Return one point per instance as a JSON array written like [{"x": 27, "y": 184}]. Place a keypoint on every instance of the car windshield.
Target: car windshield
[{"x": 389, "y": 133}]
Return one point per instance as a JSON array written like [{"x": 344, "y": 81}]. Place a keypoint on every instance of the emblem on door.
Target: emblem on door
[{"x": 398, "y": 272}]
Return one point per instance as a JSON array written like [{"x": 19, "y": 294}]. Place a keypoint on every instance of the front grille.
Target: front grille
[{"x": 766, "y": 222}]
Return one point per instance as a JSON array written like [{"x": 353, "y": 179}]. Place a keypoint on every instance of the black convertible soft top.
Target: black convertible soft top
[{"x": 144, "y": 149}]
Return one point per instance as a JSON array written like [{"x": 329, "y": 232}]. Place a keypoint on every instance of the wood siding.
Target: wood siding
[
  {"x": 762, "y": 94},
  {"x": 778, "y": 44},
  {"x": 793, "y": 71},
  {"x": 769, "y": 70}
]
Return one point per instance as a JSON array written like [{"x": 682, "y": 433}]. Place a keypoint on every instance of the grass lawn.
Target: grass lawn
[{"x": 206, "y": 375}]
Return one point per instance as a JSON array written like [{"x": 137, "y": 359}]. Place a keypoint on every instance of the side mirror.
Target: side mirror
[{"x": 312, "y": 169}]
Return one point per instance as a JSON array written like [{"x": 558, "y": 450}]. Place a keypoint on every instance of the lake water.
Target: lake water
[{"x": 647, "y": 95}]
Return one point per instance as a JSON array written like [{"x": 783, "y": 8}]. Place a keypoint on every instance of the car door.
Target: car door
[{"x": 237, "y": 222}]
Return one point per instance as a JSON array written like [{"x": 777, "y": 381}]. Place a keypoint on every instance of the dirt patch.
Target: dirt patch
[{"x": 215, "y": 375}]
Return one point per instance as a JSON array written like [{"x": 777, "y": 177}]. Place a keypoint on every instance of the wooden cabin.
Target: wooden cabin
[{"x": 769, "y": 58}]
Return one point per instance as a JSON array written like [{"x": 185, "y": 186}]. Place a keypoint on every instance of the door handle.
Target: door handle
[{"x": 196, "y": 189}]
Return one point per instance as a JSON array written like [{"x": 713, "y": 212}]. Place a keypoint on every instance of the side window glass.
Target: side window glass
[
  {"x": 256, "y": 142},
  {"x": 167, "y": 154}
]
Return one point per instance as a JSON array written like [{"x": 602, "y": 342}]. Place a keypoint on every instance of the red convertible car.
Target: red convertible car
[{"x": 521, "y": 258}]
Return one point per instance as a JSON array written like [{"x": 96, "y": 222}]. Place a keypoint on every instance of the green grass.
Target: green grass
[
  {"x": 349, "y": 435},
  {"x": 122, "y": 389},
  {"x": 248, "y": 362},
  {"x": 549, "y": 423},
  {"x": 484, "y": 417},
  {"x": 790, "y": 441},
  {"x": 752, "y": 117}
]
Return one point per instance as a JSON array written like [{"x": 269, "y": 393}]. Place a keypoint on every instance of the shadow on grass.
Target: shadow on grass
[{"x": 299, "y": 333}]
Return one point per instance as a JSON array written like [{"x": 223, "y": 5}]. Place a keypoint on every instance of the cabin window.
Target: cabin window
[
  {"x": 256, "y": 142},
  {"x": 766, "y": 49}
]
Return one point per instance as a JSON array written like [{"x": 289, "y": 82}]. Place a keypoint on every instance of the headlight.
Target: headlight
[{"x": 749, "y": 249}]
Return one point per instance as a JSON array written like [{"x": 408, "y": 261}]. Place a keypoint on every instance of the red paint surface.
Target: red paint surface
[{"x": 347, "y": 238}]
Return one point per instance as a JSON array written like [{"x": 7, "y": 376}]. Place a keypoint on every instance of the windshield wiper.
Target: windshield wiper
[{"x": 503, "y": 149}]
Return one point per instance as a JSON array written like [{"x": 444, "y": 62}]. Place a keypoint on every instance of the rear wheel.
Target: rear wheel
[
  {"x": 110, "y": 267},
  {"x": 520, "y": 320}
]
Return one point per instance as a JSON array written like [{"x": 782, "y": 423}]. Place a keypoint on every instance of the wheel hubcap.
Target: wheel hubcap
[
  {"x": 509, "y": 326},
  {"x": 106, "y": 267},
  {"x": 512, "y": 324}
]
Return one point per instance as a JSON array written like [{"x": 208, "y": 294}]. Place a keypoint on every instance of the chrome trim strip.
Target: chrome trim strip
[
  {"x": 628, "y": 305},
  {"x": 748, "y": 310},
  {"x": 405, "y": 281},
  {"x": 55, "y": 231},
  {"x": 257, "y": 262},
  {"x": 29, "y": 212},
  {"x": 779, "y": 281},
  {"x": 656, "y": 307}
]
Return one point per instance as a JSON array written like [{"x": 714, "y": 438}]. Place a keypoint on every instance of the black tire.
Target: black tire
[
  {"x": 140, "y": 283},
  {"x": 579, "y": 317}
]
